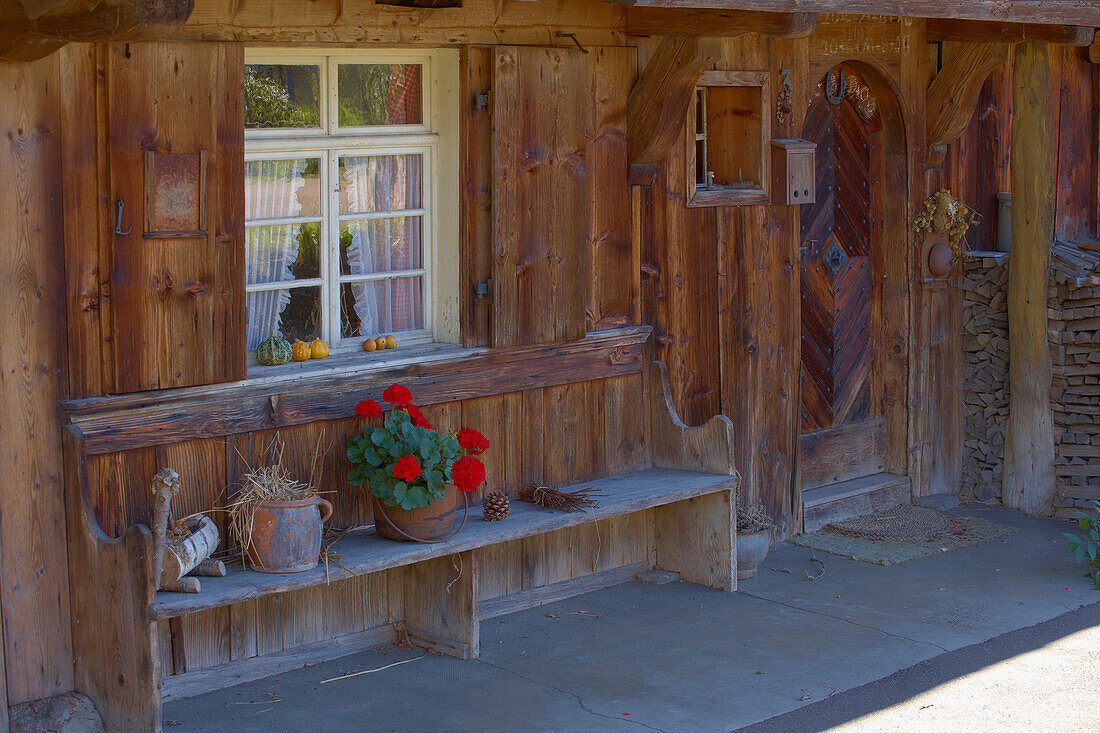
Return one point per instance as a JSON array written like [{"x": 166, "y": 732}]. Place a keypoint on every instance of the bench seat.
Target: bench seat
[{"x": 364, "y": 552}]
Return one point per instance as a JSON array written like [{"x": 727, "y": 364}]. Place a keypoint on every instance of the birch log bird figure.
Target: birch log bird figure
[{"x": 180, "y": 548}]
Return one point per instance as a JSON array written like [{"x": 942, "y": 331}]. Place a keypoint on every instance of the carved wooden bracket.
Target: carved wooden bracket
[
  {"x": 953, "y": 95},
  {"x": 716, "y": 23},
  {"x": 658, "y": 104},
  {"x": 32, "y": 29}
]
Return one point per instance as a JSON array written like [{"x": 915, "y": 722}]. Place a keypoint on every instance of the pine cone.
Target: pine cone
[{"x": 495, "y": 506}]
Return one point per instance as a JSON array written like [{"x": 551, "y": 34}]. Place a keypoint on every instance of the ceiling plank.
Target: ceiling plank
[{"x": 1059, "y": 12}]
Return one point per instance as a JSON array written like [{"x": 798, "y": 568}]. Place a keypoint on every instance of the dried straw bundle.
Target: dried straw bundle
[
  {"x": 564, "y": 501},
  {"x": 268, "y": 483}
]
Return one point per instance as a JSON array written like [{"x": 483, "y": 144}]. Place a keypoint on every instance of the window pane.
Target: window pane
[
  {"x": 294, "y": 313},
  {"x": 282, "y": 253},
  {"x": 275, "y": 189},
  {"x": 379, "y": 94},
  {"x": 380, "y": 183},
  {"x": 378, "y": 307},
  {"x": 282, "y": 96},
  {"x": 379, "y": 245}
]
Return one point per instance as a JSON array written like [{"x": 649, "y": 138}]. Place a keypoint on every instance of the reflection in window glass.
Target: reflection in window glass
[
  {"x": 379, "y": 94},
  {"x": 282, "y": 96},
  {"x": 378, "y": 307},
  {"x": 282, "y": 253},
  {"x": 380, "y": 183},
  {"x": 295, "y": 313},
  {"x": 379, "y": 245},
  {"x": 275, "y": 189}
]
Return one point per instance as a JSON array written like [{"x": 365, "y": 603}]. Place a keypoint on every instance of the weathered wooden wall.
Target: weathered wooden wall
[
  {"x": 34, "y": 598},
  {"x": 719, "y": 285},
  {"x": 732, "y": 340}
]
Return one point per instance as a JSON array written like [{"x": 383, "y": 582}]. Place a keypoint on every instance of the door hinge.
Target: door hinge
[
  {"x": 481, "y": 102},
  {"x": 484, "y": 289}
]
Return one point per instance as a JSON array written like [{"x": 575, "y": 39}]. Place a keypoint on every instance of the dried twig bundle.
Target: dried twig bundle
[{"x": 564, "y": 501}]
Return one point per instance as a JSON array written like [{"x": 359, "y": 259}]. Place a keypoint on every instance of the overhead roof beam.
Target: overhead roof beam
[
  {"x": 941, "y": 29},
  {"x": 666, "y": 22}
]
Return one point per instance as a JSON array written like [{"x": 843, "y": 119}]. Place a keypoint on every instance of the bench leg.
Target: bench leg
[
  {"x": 695, "y": 538},
  {"x": 441, "y": 619}
]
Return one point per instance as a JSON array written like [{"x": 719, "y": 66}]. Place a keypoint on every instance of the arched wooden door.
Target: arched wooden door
[{"x": 841, "y": 274}]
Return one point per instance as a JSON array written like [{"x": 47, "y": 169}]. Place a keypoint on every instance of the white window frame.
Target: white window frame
[{"x": 436, "y": 139}]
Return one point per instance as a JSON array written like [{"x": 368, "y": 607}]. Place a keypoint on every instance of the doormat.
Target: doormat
[{"x": 900, "y": 534}]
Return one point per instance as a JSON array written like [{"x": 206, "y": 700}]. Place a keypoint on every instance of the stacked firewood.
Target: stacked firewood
[
  {"x": 985, "y": 373},
  {"x": 1073, "y": 326}
]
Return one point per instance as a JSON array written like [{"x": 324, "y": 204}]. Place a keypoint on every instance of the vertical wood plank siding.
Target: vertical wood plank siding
[{"x": 34, "y": 593}]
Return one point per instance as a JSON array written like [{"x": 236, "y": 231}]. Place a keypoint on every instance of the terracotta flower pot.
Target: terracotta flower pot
[
  {"x": 427, "y": 523},
  {"x": 752, "y": 548},
  {"x": 286, "y": 535}
]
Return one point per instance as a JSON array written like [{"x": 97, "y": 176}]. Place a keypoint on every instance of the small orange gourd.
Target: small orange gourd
[
  {"x": 300, "y": 351},
  {"x": 318, "y": 349}
]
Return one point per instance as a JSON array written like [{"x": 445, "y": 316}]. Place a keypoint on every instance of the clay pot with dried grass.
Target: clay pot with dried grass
[{"x": 277, "y": 520}]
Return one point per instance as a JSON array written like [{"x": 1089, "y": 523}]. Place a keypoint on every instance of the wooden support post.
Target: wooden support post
[
  {"x": 696, "y": 538},
  {"x": 441, "y": 604},
  {"x": 1029, "y": 444}
]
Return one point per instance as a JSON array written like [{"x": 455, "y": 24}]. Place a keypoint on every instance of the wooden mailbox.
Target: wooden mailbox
[{"x": 793, "y": 171}]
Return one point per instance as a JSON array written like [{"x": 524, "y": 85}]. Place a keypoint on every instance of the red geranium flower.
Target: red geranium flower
[
  {"x": 467, "y": 473},
  {"x": 472, "y": 441},
  {"x": 397, "y": 394},
  {"x": 368, "y": 408},
  {"x": 406, "y": 468},
  {"x": 418, "y": 418}
]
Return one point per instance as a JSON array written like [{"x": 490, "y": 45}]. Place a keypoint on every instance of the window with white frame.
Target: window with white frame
[{"x": 342, "y": 199}]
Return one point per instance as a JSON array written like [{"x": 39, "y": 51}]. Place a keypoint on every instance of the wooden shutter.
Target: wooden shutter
[
  {"x": 176, "y": 302},
  {"x": 540, "y": 257}
]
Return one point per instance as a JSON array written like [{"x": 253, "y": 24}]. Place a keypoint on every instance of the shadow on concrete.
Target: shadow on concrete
[{"x": 908, "y": 683}]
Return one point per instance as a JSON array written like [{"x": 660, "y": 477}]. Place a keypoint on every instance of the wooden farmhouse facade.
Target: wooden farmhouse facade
[{"x": 589, "y": 224}]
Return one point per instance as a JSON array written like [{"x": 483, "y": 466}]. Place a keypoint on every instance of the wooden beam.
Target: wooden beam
[
  {"x": 1061, "y": 12},
  {"x": 950, "y": 29},
  {"x": 657, "y": 108},
  {"x": 32, "y": 29},
  {"x": 1094, "y": 52},
  {"x": 666, "y": 22},
  {"x": 1028, "y": 482},
  {"x": 953, "y": 94}
]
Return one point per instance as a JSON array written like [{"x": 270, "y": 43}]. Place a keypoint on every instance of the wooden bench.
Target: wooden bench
[{"x": 690, "y": 488}]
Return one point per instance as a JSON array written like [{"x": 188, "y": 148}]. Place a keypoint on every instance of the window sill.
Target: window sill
[
  {"x": 352, "y": 363},
  {"x": 329, "y": 389}
]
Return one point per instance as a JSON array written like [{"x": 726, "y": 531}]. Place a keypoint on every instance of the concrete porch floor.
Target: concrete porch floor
[{"x": 680, "y": 657}]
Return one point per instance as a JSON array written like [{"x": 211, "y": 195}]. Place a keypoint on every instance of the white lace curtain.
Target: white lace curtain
[
  {"x": 271, "y": 191},
  {"x": 378, "y": 184}
]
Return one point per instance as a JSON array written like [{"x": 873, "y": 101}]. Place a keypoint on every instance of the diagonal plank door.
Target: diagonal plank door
[{"x": 840, "y": 256}]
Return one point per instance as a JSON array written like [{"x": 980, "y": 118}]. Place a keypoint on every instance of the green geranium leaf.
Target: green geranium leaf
[{"x": 378, "y": 436}]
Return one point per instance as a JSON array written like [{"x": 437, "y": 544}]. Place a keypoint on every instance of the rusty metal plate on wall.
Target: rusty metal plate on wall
[{"x": 175, "y": 195}]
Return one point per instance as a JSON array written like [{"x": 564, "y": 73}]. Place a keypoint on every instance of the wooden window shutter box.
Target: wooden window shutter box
[
  {"x": 793, "y": 171},
  {"x": 175, "y": 195}
]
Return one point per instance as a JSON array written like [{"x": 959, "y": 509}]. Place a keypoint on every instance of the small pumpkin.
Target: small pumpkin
[
  {"x": 273, "y": 350},
  {"x": 300, "y": 351},
  {"x": 318, "y": 349}
]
